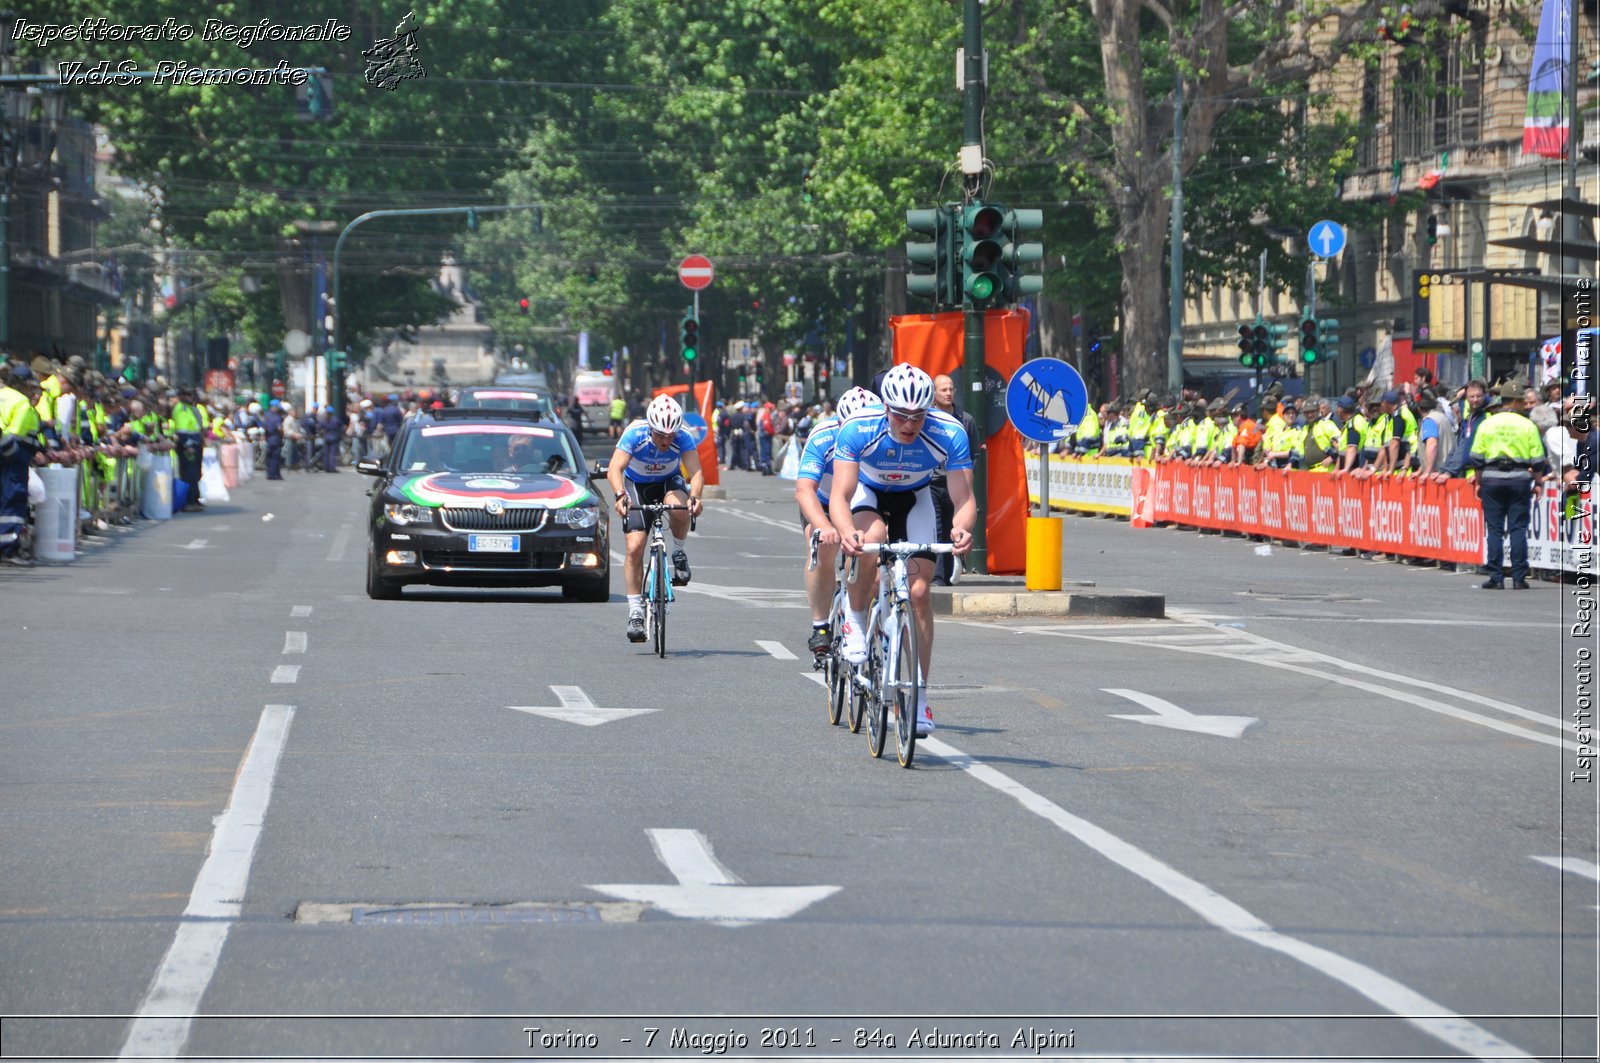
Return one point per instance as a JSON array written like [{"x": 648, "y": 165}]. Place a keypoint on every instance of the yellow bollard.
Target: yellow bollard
[{"x": 1044, "y": 554}]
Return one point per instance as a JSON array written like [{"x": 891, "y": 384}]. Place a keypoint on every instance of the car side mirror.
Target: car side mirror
[
  {"x": 370, "y": 467},
  {"x": 599, "y": 470}
]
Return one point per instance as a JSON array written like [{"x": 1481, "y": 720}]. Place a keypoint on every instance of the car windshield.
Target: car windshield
[
  {"x": 488, "y": 448},
  {"x": 504, "y": 399}
]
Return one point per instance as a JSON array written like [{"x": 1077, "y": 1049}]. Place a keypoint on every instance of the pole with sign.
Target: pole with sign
[
  {"x": 695, "y": 272},
  {"x": 1044, "y": 401}
]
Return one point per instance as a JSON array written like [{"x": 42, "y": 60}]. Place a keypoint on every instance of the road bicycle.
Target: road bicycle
[
  {"x": 891, "y": 673},
  {"x": 657, "y": 574},
  {"x": 830, "y": 661}
]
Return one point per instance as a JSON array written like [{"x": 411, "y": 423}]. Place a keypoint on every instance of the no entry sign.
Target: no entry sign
[{"x": 695, "y": 272}]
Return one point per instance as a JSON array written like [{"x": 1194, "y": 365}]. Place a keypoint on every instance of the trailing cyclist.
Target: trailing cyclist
[
  {"x": 884, "y": 463},
  {"x": 647, "y": 468},
  {"x": 812, "y": 491}
]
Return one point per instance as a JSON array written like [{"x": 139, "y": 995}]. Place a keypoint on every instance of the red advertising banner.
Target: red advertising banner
[
  {"x": 1390, "y": 515},
  {"x": 219, "y": 381}
]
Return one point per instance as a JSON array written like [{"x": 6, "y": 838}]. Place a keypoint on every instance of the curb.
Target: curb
[{"x": 1086, "y": 602}]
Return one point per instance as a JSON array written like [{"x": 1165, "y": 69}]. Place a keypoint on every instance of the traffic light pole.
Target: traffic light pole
[
  {"x": 972, "y": 340},
  {"x": 338, "y": 248}
]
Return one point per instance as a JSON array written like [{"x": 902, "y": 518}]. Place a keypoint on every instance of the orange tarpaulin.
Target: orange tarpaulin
[
  {"x": 934, "y": 343},
  {"x": 705, "y": 400}
]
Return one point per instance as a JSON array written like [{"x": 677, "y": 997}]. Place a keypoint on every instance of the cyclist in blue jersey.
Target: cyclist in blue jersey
[
  {"x": 811, "y": 492},
  {"x": 884, "y": 465},
  {"x": 647, "y": 468}
]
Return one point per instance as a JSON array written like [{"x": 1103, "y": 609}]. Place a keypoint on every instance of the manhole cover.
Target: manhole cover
[{"x": 370, "y": 914}]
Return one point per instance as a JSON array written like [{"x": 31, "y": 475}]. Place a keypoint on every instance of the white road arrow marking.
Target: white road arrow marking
[
  {"x": 1572, "y": 866},
  {"x": 576, "y": 707},
  {"x": 1169, "y": 715},
  {"x": 710, "y": 892}
]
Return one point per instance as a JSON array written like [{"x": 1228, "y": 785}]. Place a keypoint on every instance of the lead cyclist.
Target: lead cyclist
[
  {"x": 812, "y": 491},
  {"x": 884, "y": 464}
]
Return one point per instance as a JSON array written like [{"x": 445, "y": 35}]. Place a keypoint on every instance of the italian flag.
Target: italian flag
[{"x": 1547, "y": 123}]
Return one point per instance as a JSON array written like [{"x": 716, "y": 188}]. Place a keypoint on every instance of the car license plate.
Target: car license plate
[{"x": 494, "y": 544}]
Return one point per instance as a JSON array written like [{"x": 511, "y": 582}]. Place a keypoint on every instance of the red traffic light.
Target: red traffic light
[{"x": 522, "y": 304}]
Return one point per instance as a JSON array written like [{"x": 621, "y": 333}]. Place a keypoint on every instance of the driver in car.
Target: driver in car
[{"x": 520, "y": 452}]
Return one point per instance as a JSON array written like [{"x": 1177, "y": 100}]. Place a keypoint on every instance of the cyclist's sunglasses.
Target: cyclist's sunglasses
[{"x": 907, "y": 415}]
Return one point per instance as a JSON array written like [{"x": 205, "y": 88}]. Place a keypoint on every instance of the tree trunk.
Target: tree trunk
[{"x": 1146, "y": 322}]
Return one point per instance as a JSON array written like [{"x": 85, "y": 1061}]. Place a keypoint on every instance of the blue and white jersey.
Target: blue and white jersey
[
  {"x": 889, "y": 465},
  {"x": 648, "y": 463},
  {"x": 816, "y": 460}
]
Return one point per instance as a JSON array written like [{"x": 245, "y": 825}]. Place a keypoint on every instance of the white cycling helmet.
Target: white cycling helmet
[
  {"x": 254, "y": 407},
  {"x": 857, "y": 401},
  {"x": 664, "y": 414},
  {"x": 905, "y": 387}
]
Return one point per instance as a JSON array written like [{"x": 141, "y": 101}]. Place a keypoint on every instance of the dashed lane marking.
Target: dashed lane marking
[
  {"x": 286, "y": 673},
  {"x": 340, "y": 541},
  {"x": 300, "y": 611},
  {"x": 777, "y": 649},
  {"x": 294, "y": 642}
]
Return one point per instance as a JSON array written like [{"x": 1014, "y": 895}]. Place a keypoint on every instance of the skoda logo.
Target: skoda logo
[{"x": 494, "y": 507}]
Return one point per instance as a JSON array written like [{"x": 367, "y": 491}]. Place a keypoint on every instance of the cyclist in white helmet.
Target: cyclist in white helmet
[
  {"x": 883, "y": 463},
  {"x": 812, "y": 492},
  {"x": 648, "y": 468}
]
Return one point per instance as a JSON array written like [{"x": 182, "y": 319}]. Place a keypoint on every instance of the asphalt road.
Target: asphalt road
[{"x": 274, "y": 818}]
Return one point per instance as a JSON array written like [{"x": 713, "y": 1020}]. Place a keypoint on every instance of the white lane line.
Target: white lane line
[
  {"x": 294, "y": 642},
  {"x": 300, "y": 611},
  {"x": 1406, "y": 1003},
  {"x": 777, "y": 649},
  {"x": 816, "y": 678},
  {"x": 286, "y": 673},
  {"x": 787, "y": 525},
  {"x": 196, "y": 544},
  {"x": 1572, "y": 866},
  {"x": 340, "y": 541},
  {"x": 161, "y": 1026}
]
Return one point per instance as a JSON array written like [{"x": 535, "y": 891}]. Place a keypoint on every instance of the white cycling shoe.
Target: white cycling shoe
[
  {"x": 925, "y": 722},
  {"x": 852, "y": 641}
]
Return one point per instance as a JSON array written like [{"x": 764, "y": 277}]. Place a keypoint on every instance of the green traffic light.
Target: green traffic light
[
  {"x": 982, "y": 286},
  {"x": 690, "y": 354}
]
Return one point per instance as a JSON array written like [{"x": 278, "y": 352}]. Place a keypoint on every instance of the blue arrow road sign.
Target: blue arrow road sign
[
  {"x": 1326, "y": 239},
  {"x": 1046, "y": 399},
  {"x": 696, "y": 426}
]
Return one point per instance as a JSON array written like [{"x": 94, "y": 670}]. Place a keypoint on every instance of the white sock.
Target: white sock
[
  {"x": 858, "y": 620},
  {"x": 635, "y": 604},
  {"x": 677, "y": 545}
]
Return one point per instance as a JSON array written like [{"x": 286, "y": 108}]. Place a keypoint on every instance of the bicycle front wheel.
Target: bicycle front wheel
[
  {"x": 877, "y": 707},
  {"x": 905, "y": 688},
  {"x": 658, "y": 592}
]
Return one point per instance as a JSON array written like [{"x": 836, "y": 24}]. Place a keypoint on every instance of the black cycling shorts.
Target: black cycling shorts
[
  {"x": 909, "y": 515},
  {"x": 648, "y": 494}
]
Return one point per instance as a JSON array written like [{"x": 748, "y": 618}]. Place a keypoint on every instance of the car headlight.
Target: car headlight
[
  {"x": 406, "y": 513},
  {"x": 578, "y": 516}
]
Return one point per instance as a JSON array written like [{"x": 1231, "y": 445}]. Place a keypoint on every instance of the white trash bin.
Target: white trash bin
[
  {"x": 55, "y": 520},
  {"x": 156, "y": 503}
]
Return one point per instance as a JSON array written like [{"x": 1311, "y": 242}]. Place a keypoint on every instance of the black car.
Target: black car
[{"x": 481, "y": 497}]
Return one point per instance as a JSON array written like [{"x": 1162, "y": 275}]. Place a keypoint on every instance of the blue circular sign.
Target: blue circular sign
[
  {"x": 1326, "y": 239},
  {"x": 1046, "y": 399},
  {"x": 696, "y": 425}
]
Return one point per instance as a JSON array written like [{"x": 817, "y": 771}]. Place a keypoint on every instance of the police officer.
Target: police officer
[
  {"x": 1509, "y": 456},
  {"x": 1117, "y": 432},
  {"x": 1139, "y": 424},
  {"x": 273, "y": 425},
  {"x": 1086, "y": 438},
  {"x": 189, "y": 420}
]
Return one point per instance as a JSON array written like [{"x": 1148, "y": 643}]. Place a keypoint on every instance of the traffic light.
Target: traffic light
[
  {"x": 1277, "y": 341},
  {"x": 1310, "y": 346},
  {"x": 522, "y": 304},
  {"x": 337, "y": 360},
  {"x": 983, "y": 241},
  {"x": 689, "y": 337},
  {"x": 606, "y": 369},
  {"x": 472, "y": 221},
  {"x": 933, "y": 273},
  {"x": 1328, "y": 338},
  {"x": 1015, "y": 256},
  {"x": 1247, "y": 346},
  {"x": 1261, "y": 343}
]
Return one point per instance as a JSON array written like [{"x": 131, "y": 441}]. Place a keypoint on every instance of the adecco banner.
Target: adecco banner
[
  {"x": 1388, "y": 515},
  {"x": 1096, "y": 485},
  {"x": 705, "y": 402}
]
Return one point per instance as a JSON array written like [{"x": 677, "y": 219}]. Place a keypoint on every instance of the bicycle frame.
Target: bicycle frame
[{"x": 657, "y": 585}]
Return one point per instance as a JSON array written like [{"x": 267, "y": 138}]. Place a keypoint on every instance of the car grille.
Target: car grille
[
  {"x": 481, "y": 520},
  {"x": 548, "y": 561}
]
